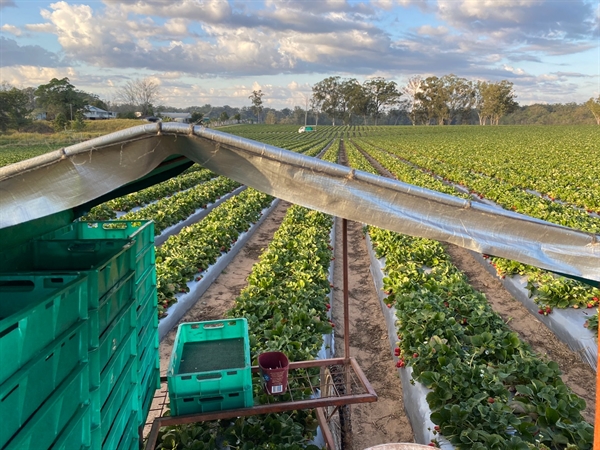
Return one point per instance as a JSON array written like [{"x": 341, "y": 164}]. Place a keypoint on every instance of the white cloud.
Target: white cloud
[
  {"x": 11, "y": 29},
  {"x": 35, "y": 75}
]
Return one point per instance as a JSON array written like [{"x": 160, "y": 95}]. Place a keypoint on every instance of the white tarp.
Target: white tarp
[{"x": 75, "y": 175}]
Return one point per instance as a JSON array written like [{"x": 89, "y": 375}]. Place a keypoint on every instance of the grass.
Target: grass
[{"x": 15, "y": 146}]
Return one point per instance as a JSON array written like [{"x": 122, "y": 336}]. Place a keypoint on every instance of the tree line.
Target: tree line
[
  {"x": 424, "y": 101},
  {"x": 445, "y": 100}
]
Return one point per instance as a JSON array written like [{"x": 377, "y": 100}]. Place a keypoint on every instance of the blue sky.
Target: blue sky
[{"x": 218, "y": 51}]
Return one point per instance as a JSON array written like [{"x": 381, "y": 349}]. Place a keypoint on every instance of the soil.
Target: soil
[
  {"x": 383, "y": 421},
  {"x": 576, "y": 374}
]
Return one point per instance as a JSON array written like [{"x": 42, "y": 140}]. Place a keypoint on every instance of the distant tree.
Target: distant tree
[
  {"x": 256, "y": 99},
  {"x": 196, "y": 117},
  {"x": 594, "y": 106},
  {"x": 433, "y": 100},
  {"x": 381, "y": 94},
  {"x": 60, "y": 96},
  {"x": 224, "y": 116},
  {"x": 79, "y": 123},
  {"x": 460, "y": 95},
  {"x": 60, "y": 122},
  {"x": 271, "y": 118},
  {"x": 411, "y": 102},
  {"x": 142, "y": 94},
  {"x": 237, "y": 117},
  {"x": 14, "y": 107},
  {"x": 327, "y": 97},
  {"x": 494, "y": 100}
]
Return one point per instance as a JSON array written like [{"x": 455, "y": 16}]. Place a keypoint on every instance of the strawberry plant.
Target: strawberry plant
[{"x": 488, "y": 389}]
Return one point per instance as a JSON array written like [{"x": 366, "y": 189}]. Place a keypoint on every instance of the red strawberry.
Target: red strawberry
[
  {"x": 491, "y": 400},
  {"x": 389, "y": 305},
  {"x": 328, "y": 306},
  {"x": 397, "y": 351},
  {"x": 415, "y": 355},
  {"x": 437, "y": 428}
]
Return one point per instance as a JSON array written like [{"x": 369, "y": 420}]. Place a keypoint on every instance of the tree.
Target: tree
[
  {"x": 271, "y": 118},
  {"x": 460, "y": 95},
  {"x": 60, "y": 97},
  {"x": 410, "y": 91},
  {"x": 256, "y": 99},
  {"x": 327, "y": 96},
  {"x": 14, "y": 107},
  {"x": 237, "y": 117},
  {"x": 141, "y": 94},
  {"x": 433, "y": 98},
  {"x": 494, "y": 100},
  {"x": 224, "y": 116},
  {"x": 594, "y": 106},
  {"x": 381, "y": 94},
  {"x": 196, "y": 117}
]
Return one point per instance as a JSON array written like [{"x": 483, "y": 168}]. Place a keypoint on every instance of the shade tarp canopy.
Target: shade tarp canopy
[{"x": 73, "y": 176}]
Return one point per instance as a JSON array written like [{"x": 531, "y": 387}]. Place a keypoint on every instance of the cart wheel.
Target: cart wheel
[{"x": 331, "y": 412}]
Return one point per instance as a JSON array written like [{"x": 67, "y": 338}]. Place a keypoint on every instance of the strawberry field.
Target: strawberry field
[{"x": 487, "y": 387}]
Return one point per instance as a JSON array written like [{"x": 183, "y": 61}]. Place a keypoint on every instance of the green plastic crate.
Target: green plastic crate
[
  {"x": 181, "y": 406},
  {"x": 146, "y": 314},
  {"x": 110, "y": 342},
  {"x": 105, "y": 262},
  {"x": 53, "y": 417},
  {"x": 145, "y": 285},
  {"x": 34, "y": 311},
  {"x": 112, "y": 371},
  {"x": 118, "y": 407},
  {"x": 144, "y": 261},
  {"x": 209, "y": 359},
  {"x": 142, "y": 231},
  {"x": 145, "y": 401},
  {"x": 77, "y": 433},
  {"x": 119, "y": 297},
  {"x": 130, "y": 439},
  {"x": 23, "y": 393}
]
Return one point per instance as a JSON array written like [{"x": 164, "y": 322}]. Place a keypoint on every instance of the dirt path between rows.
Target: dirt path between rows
[
  {"x": 576, "y": 374},
  {"x": 385, "y": 420}
]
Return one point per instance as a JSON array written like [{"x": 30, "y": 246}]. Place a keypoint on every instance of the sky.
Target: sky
[{"x": 219, "y": 51}]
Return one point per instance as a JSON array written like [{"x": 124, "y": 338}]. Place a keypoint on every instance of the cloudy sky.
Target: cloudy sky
[{"x": 218, "y": 51}]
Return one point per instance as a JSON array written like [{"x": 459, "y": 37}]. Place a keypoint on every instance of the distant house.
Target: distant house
[
  {"x": 95, "y": 113},
  {"x": 177, "y": 117}
]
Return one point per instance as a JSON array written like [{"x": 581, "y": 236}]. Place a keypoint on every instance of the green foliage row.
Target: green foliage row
[
  {"x": 185, "y": 256},
  {"x": 488, "y": 389}
]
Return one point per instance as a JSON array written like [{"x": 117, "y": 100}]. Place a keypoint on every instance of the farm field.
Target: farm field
[{"x": 500, "y": 165}]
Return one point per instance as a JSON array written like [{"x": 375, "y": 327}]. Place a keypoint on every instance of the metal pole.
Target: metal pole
[{"x": 346, "y": 307}]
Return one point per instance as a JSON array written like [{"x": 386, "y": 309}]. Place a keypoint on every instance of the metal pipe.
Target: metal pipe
[{"x": 346, "y": 307}]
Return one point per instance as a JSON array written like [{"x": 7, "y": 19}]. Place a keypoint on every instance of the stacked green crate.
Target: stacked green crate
[
  {"x": 46, "y": 403},
  {"x": 144, "y": 300}
]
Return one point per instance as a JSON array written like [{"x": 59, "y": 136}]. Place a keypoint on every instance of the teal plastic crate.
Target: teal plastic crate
[
  {"x": 104, "y": 262},
  {"x": 117, "y": 408},
  {"x": 119, "y": 297},
  {"x": 23, "y": 393},
  {"x": 181, "y": 406},
  {"x": 34, "y": 311},
  {"x": 130, "y": 439},
  {"x": 144, "y": 261},
  {"x": 146, "y": 312},
  {"x": 142, "y": 231},
  {"x": 145, "y": 285},
  {"x": 110, "y": 342},
  {"x": 77, "y": 433},
  {"x": 54, "y": 416},
  {"x": 145, "y": 401},
  {"x": 209, "y": 359},
  {"x": 113, "y": 370}
]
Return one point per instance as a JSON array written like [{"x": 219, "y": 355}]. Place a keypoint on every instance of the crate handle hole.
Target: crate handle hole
[
  {"x": 212, "y": 376},
  {"x": 213, "y": 326},
  {"x": 187, "y": 400},
  {"x": 17, "y": 286},
  {"x": 115, "y": 226},
  {"x": 13, "y": 327},
  {"x": 186, "y": 377},
  {"x": 234, "y": 394},
  {"x": 11, "y": 391},
  {"x": 211, "y": 399},
  {"x": 195, "y": 326},
  {"x": 233, "y": 372}
]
